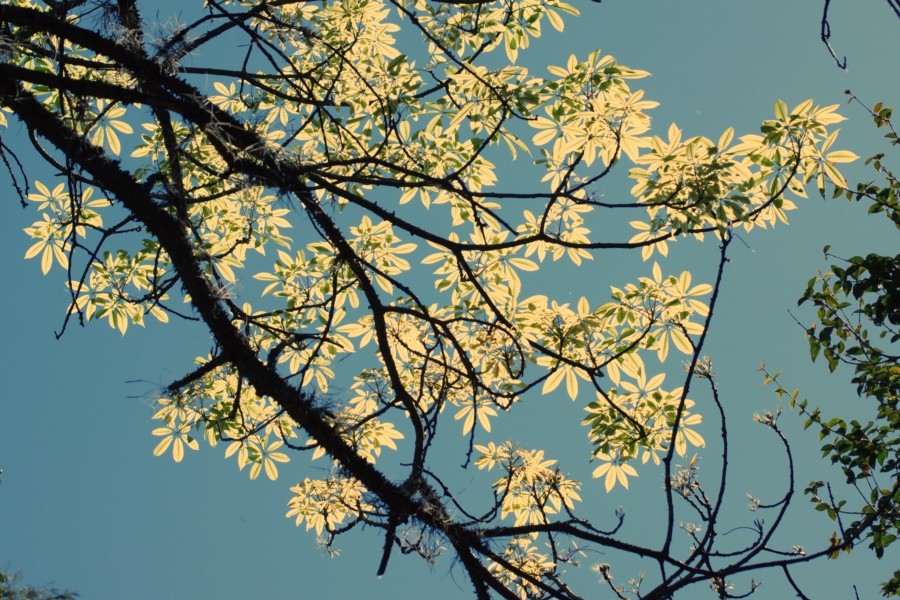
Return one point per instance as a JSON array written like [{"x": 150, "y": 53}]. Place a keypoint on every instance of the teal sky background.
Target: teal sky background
[{"x": 85, "y": 506}]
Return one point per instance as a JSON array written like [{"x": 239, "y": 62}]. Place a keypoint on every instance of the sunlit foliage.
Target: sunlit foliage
[{"x": 333, "y": 210}]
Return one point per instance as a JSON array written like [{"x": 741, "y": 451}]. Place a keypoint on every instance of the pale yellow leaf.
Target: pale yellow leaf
[{"x": 553, "y": 381}]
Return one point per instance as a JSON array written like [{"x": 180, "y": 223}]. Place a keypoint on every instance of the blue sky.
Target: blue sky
[{"x": 86, "y": 506}]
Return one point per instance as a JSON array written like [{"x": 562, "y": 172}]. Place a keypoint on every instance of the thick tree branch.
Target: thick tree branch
[{"x": 174, "y": 239}]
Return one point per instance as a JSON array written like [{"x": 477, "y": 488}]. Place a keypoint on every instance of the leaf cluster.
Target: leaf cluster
[{"x": 857, "y": 304}]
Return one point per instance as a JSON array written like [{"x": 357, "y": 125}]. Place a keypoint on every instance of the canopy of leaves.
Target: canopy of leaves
[{"x": 329, "y": 208}]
